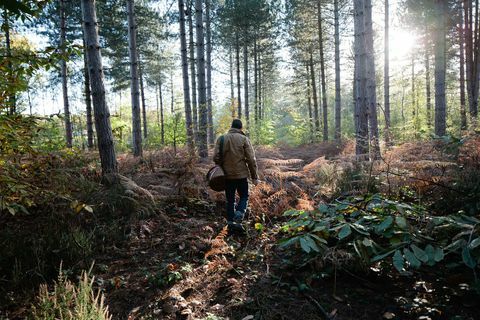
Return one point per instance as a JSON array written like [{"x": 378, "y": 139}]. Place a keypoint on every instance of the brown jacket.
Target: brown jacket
[{"x": 238, "y": 155}]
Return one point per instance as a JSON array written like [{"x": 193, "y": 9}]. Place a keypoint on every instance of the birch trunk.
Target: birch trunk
[
  {"x": 102, "y": 114},
  {"x": 134, "y": 81}
]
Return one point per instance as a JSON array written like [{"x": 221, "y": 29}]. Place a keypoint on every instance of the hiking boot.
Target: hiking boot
[
  {"x": 239, "y": 216},
  {"x": 235, "y": 228}
]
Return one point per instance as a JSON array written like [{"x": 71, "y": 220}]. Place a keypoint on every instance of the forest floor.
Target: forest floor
[
  {"x": 181, "y": 264},
  {"x": 178, "y": 262}
]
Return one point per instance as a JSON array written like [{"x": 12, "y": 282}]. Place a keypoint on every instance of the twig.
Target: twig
[{"x": 319, "y": 307}]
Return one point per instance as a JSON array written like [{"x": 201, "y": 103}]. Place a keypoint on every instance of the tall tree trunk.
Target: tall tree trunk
[
  {"x": 202, "y": 94},
  {"x": 361, "y": 105},
  {"x": 142, "y": 95},
  {"x": 245, "y": 80},
  {"x": 12, "y": 100},
  {"x": 414, "y": 100},
  {"x": 338, "y": 105},
  {"x": 260, "y": 89},
  {"x": 237, "y": 58},
  {"x": 463, "y": 113},
  {"x": 63, "y": 65},
  {"x": 186, "y": 84},
  {"x": 371, "y": 81},
  {"x": 309, "y": 103},
  {"x": 158, "y": 105},
  {"x": 172, "y": 95},
  {"x": 255, "y": 82},
  {"x": 322, "y": 73},
  {"x": 102, "y": 114},
  {"x": 440, "y": 102},
  {"x": 428, "y": 86},
  {"x": 386, "y": 83},
  {"x": 314, "y": 92},
  {"x": 88, "y": 98},
  {"x": 232, "y": 84},
  {"x": 192, "y": 69},
  {"x": 476, "y": 67},
  {"x": 208, "y": 33},
  {"x": 162, "y": 122},
  {"x": 134, "y": 81}
]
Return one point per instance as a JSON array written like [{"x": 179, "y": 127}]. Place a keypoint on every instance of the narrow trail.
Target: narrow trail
[{"x": 182, "y": 265}]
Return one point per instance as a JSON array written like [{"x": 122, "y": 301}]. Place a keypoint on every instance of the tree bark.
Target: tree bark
[
  {"x": 314, "y": 92},
  {"x": 386, "y": 76},
  {"x": 237, "y": 58},
  {"x": 202, "y": 94},
  {"x": 162, "y": 122},
  {"x": 322, "y": 73},
  {"x": 463, "y": 113},
  {"x": 255, "y": 82},
  {"x": 440, "y": 102},
  {"x": 63, "y": 65},
  {"x": 260, "y": 89},
  {"x": 428, "y": 86},
  {"x": 102, "y": 114},
  {"x": 134, "y": 81},
  {"x": 211, "y": 134},
  {"x": 12, "y": 100},
  {"x": 142, "y": 95},
  {"x": 88, "y": 98},
  {"x": 245, "y": 81},
  {"x": 192, "y": 69},
  {"x": 309, "y": 103},
  {"x": 232, "y": 84},
  {"x": 186, "y": 83},
  {"x": 361, "y": 105},
  {"x": 371, "y": 92},
  {"x": 338, "y": 110}
]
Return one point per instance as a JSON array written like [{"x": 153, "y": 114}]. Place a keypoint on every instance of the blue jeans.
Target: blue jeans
[{"x": 231, "y": 187}]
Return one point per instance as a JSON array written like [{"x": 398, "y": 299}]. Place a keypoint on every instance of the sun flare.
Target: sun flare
[{"x": 402, "y": 43}]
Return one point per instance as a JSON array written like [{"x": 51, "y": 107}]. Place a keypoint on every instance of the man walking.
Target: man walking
[{"x": 238, "y": 161}]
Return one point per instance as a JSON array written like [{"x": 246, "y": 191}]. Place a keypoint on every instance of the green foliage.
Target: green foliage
[
  {"x": 375, "y": 229},
  {"x": 169, "y": 274},
  {"x": 69, "y": 301}
]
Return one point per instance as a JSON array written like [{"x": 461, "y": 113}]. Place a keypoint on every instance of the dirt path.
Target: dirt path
[{"x": 188, "y": 268}]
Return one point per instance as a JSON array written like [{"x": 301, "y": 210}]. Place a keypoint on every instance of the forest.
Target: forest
[{"x": 360, "y": 117}]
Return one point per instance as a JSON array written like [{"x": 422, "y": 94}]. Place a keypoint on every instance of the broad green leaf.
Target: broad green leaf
[
  {"x": 318, "y": 238},
  {"x": 323, "y": 208},
  {"x": 475, "y": 243},
  {"x": 311, "y": 243},
  {"x": 455, "y": 245},
  {"x": 401, "y": 222},
  {"x": 305, "y": 246},
  {"x": 360, "y": 229},
  {"x": 419, "y": 253},
  {"x": 439, "y": 254},
  {"x": 411, "y": 258},
  {"x": 430, "y": 251},
  {"x": 384, "y": 225},
  {"x": 344, "y": 232},
  {"x": 467, "y": 258},
  {"x": 398, "y": 261},
  {"x": 382, "y": 256}
]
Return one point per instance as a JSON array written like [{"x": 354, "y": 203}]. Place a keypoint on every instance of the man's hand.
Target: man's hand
[{"x": 255, "y": 182}]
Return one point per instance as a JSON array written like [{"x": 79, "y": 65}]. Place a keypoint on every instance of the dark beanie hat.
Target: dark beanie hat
[{"x": 237, "y": 124}]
